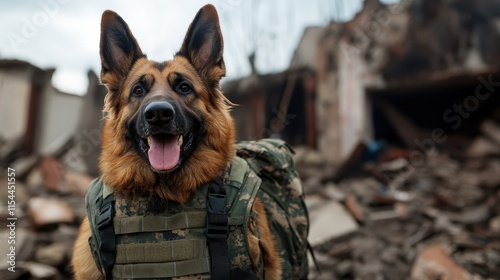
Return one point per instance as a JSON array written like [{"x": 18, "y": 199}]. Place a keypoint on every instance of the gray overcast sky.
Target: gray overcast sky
[{"x": 64, "y": 34}]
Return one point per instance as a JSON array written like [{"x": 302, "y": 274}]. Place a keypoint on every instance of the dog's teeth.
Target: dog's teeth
[
  {"x": 180, "y": 141},
  {"x": 149, "y": 141}
]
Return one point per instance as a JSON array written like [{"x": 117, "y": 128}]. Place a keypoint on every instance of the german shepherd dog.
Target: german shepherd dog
[{"x": 167, "y": 127}]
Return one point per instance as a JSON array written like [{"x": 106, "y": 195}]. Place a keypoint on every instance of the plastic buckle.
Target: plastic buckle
[
  {"x": 217, "y": 226},
  {"x": 217, "y": 219}
]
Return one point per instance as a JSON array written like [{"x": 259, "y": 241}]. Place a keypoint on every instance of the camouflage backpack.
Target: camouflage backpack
[{"x": 129, "y": 241}]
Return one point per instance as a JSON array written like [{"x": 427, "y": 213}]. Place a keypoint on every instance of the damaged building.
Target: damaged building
[
  {"x": 43, "y": 121},
  {"x": 397, "y": 73},
  {"x": 34, "y": 123}
]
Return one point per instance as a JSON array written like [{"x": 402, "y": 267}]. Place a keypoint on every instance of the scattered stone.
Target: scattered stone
[
  {"x": 384, "y": 216},
  {"x": 25, "y": 245},
  {"x": 344, "y": 268},
  {"x": 19, "y": 273},
  {"x": 53, "y": 255},
  {"x": 472, "y": 215},
  {"x": 341, "y": 250},
  {"x": 334, "y": 192},
  {"x": 35, "y": 181},
  {"x": 330, "y": 221},
  {"x": 435, "y": 263},
  {"x": 367, "y": 248},
  {"x": 420, "y": 235},
  {"x": 312, "y": 185},
  {"x": 65, "y": 234},
  {"x": 42, "y": 271},
  {"x": 390, "y": 255},
  {"x": 471, "y": 257},
  {"x": 365, "y": 189},
  {"x": 49, "y": 211},
  {"x": 307, "y": 156},
  {"x": 9, "y": 148},
  {"x": 53, "y": 172},
  {"x": 371, "y": 270},
  {"x": 354, "y": 208},
  {"x": 402, "y": 209},
  {"x": 465, "y": 241},
  {"x": 24, "y": 165},
  {"x": 495, "y": 225},
  {"x": 482, "y": 147},
  {"x": 460, "y": 191},
  {"x": 313, "y": 201},
  {"x": 76, "y": 183},
  {"x": 489, "y": 176},
  {"x": 493, "y": 257},
  {"x": 397, "y": 271}
]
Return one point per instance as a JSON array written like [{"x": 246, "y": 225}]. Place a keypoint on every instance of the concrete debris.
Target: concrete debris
[
  {"x": 25, "y": 241},
  {"x": 435, "y": 263},
  {"x": 403, "y": 229},
  {"x": 334, "y": 192},
  {"x": 46, "y": 212},
  {"x": 495, "y": 225},
  {"x": 24, "y": 165},
  {"x": 53, "y": 172},
  {"x": 54, "y": 255},
  {"x": 354, "y": 208},
  {"x": 330, "y": 221},
  {"x": 362, "y": 226},
  {"x": 42, "y": 271},
  {"x": 76, "y": 183},
  {"x": 471, "y": 215}
]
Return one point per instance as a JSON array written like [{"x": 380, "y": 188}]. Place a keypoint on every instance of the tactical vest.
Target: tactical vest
[{"x": 172, "y": 243}]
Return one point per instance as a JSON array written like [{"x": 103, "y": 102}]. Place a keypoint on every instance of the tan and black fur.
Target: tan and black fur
[{"x": 203, "y": 111}]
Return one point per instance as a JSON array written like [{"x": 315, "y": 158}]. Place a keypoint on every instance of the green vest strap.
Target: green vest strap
[
  {"x": 167, "y": 251},
  {"x": 161, "y": 270}
]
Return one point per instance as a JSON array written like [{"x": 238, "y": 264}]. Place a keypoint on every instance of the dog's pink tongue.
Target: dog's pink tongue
[{"x": 164, "y": 152}]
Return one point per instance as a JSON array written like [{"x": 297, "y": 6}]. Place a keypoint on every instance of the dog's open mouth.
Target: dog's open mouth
[{"x": 166, "y": 151}]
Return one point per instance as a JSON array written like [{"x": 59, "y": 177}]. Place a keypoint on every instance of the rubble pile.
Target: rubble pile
[
  {"x": 389, "y": 219},
  {"x": 49, "y": 205},
  {"x": 373, "y": 218}
]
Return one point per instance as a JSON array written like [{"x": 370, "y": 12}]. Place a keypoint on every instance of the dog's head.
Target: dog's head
[{"x": 167, "y": 128}]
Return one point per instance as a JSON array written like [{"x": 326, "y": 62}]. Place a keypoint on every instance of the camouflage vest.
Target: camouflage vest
[{"x": 172, "y": 243}]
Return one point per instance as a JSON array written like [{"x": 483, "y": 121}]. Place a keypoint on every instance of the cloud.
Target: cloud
[{"x": 69, "y": 39}]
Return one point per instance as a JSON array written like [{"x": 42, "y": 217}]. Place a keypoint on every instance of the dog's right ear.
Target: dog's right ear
[{"x": 118, "y": 49}]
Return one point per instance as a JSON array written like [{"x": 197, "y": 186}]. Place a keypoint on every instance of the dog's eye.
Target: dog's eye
[
  {"x": 138, "y": 90},
  {"x": 184, "y": 88}
]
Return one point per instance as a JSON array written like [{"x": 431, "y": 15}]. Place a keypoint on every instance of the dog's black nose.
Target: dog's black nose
[{"x": 158, "y": 112}]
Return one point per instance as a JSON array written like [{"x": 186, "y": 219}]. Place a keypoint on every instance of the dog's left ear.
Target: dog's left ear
[
  {"x": 119, "y": 49},
  {"x": 203, "y": 45}
]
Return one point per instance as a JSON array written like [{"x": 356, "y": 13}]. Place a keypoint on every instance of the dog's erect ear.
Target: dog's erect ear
[
  {"x": 119, "y": 49},
  {"x": 203, "y": 45}
]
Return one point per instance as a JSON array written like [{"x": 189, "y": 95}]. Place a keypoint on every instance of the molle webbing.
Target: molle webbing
[
  {"x": 162, "y": 270},
  {"x": 124, "y": 225},
  {"x": 168, "y": 251},
  {"x": 195, "y": 219}
]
